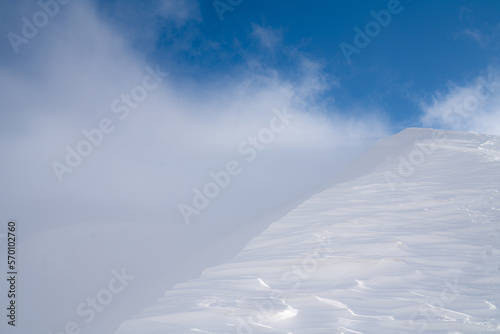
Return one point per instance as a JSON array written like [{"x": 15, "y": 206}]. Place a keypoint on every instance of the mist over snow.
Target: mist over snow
[
  {"x": 161, "y": 147},
  {"x": 143, "y": 142},
  {"x": 409, "y": 245},
  {"x": 155, "y": 137}
]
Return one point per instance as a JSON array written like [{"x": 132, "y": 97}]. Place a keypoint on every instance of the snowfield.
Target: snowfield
[{"x": 406, "y": 241}]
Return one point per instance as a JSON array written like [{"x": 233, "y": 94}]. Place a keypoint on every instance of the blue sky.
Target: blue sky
[
  {"x": 425, "y": 47},
  {"x": 424, "y": 50},
  {"x": 71, "y": 68}
]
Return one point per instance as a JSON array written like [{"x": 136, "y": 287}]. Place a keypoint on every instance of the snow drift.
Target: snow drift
[{"x": 405, "y": 240}]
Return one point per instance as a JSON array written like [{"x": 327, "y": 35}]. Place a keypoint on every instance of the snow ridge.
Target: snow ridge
[{"x": 407, "y": 241}]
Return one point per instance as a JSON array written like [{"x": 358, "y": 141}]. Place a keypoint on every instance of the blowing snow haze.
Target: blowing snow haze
[
  {"x": 405, "y": 244},
  {"x": 144, "y": 142}
]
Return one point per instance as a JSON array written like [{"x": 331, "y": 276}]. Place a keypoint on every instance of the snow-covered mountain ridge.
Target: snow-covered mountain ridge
[{"x": 407, "y": 241}]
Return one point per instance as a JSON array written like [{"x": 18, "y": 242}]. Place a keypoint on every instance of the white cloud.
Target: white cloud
[
  {"x": 472, "y": 107},
  {"x": 65, "y": 80},
  {"x": 268, "y": 37},
  {"x": 173, "y": 139},
  {"x": 180, "y": 11}
]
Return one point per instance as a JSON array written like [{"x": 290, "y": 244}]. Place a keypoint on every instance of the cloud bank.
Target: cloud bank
[
  {"x": 102, "y": 143},
  {"x": 163, "y": 138}
]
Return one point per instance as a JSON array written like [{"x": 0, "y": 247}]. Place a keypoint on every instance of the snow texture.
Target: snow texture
[{"x": 407, "y": 241}]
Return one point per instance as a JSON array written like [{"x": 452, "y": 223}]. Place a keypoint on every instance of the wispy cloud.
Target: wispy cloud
[
  {"x": 477, "y": 36},
  {"x": 169, "y": 143},
  {"x": 485, "y": 35},
  {"x": 471, "y": 107},
  {"x": 268, "y": 37},
  {"x": 180, "y": 11}
]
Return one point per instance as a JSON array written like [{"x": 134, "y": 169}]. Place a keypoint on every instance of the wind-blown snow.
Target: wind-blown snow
[{"x": 408, "y": 243}]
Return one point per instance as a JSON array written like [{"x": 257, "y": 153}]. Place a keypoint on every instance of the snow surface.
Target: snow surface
[{"x": 407, "y": 241}]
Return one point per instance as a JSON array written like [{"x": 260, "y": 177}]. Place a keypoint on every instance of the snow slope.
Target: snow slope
[{"x": 407, "y": 242}]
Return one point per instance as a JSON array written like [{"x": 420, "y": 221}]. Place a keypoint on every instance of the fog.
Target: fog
[{"x": 105, "y": 152}]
